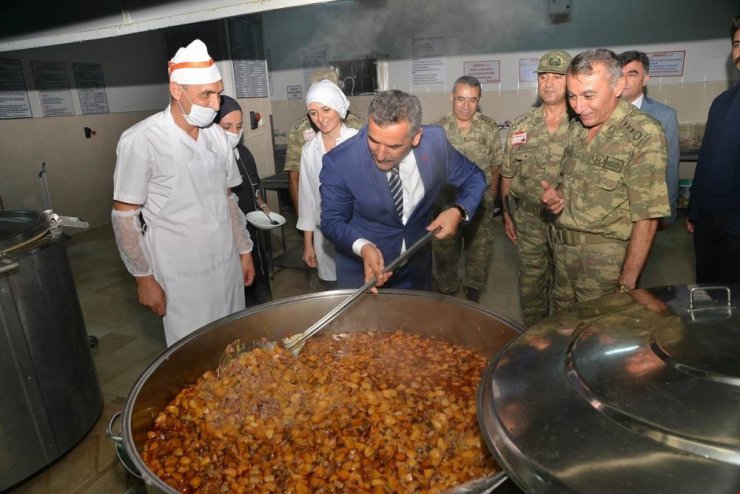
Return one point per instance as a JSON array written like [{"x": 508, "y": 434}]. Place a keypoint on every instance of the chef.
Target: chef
[{"x": 177, "y": 224}]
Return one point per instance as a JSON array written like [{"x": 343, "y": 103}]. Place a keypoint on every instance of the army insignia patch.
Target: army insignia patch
[{"x": 519, "y": 137}]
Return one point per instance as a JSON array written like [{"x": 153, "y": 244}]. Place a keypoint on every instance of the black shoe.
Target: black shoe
[{"x": 472, "y": 294}]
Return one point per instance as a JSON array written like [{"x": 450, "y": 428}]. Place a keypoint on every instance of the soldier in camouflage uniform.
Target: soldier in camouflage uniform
[
  {"x": 303, "y": 131},
  {"x": 477, "y": 137},
  {"x": 612, "y": 187},
  {"x": 534, "y": 150}
]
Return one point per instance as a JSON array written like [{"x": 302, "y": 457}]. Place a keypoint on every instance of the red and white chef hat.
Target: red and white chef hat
[{"x": 193, "y": 65}]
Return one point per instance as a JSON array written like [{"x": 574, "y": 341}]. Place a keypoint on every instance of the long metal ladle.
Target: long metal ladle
[{"x": 294, "y": 343}]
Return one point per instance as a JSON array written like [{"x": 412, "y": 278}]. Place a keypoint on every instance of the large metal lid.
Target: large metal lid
[
  {"x": 636, "y": 392},
  {"x": 18, "y": 227}
]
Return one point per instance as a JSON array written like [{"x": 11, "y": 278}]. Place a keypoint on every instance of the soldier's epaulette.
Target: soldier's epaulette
[
  {"x": 486, "y": 120},
  {"x": 633, "y": 129},
  {"x": 520, "y": 120}
]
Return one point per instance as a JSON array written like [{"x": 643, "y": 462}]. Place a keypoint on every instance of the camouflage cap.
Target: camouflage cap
[
  {"x": 324, "y": 73},
  {"x": 555, "y": 61}
]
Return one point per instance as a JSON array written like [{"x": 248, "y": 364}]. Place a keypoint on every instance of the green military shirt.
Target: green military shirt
[
  {"x": 301, "y": 132},
  {"x": 532, "y": 154},
  {"x": 616, "y": 179},
  {"x": 480, "y": 143}
]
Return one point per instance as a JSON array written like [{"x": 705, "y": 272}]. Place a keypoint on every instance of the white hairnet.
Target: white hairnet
[{"x": 327, "y": 93}]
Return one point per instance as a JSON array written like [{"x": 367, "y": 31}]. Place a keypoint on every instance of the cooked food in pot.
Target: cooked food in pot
[{"x": 362, "y": 412}]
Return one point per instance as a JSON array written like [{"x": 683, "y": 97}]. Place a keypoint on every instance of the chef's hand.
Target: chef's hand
[
  {"x": 248, "y": 272},
  {"x": 449, "y": 220},
  {"x": 309, "y": 256},
  {"x": 151, "y": 295},
  {"x": 372, "y": 261},
  {"x": 551, "y": 198},
  {"x": 509, "y": 229}
]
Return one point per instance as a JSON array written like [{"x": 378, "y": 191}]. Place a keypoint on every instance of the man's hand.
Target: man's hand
[
  {"x": 151, "y": 294},
  {"x": 248, "y": 272},
  {"x": 448, "y": 220},
  {"x": 689, "y": 225},
  {"x": 509, "y": 229},
  {"x": 309, "y": 256},
  {"x": 372, "y": 261},
  {"x": 551, "y": 198}
]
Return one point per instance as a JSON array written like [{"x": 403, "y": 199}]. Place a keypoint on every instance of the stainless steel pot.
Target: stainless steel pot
[
  {"x": 453, "y": 320},
  {"x": 636, "y": 392},
  {"x": 49, "y": 389}
]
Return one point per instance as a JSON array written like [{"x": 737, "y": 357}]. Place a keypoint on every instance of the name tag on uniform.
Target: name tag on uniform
[
  {"x": 519, "y": 137},
  {"x": 308, "y": 134}
]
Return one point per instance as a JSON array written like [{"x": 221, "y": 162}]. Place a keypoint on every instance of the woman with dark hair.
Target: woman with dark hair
[{"x": 231, "y": 119}]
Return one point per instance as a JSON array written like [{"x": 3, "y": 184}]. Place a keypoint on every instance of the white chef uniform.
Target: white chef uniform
[
  {"x": 309, "y": 201},
  {"x": 182, "y": 184}
]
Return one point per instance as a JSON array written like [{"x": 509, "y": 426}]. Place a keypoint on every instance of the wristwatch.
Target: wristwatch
[
  {"x": 624, "y": 288},
  {"x": 463, "y": 212}
]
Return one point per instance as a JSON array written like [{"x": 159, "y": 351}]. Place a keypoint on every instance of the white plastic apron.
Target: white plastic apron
[{"x": 192, "y": 243}]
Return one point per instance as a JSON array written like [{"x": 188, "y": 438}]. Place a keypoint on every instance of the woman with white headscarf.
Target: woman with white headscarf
[{"x": 327, "y": 108}]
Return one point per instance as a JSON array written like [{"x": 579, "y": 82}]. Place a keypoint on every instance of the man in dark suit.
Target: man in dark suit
[
  {"x": 714, "y": 204},
  {"x": 370, "y": 217},
  {"x": 636, "y": 70}
]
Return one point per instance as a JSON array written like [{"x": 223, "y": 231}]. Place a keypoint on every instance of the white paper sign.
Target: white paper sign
[
  {"x": 427, "y": 66},
  {"x": 527, "y": 68},
  {"x": 667, "y": 63},
  {"x": 91, "y": 87},
  {"x": 487, "y": 71},
  {"x": 250, "y": 78},
  {"x": 13, "y": 95},
  {"x": 294, "y": 92},
  {"x": 53, "y": 85}
]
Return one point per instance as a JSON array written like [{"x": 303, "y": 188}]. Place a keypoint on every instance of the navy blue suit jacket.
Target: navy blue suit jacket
[
  {"x": 717, "y": 176},
  {"x": 356, "y": 203}
]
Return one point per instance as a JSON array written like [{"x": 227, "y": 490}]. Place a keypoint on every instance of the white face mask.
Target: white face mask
[
  {"x": 234, "y": 139},
  {"x": 199, "y": 116}
]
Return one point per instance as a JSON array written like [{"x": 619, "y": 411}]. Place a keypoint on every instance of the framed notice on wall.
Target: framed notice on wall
[
  {"x": 667, "y": 63},
  {"x": 53, "y": 84},
  {"x": 486, "y": 72},
  {"x": 527, "y": 68},
  {"x": 13, "y": 95},
  {"x": 91, "y": 87}
]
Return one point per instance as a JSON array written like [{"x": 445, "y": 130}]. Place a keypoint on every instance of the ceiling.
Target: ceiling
[{"x": 32, "y": 24}]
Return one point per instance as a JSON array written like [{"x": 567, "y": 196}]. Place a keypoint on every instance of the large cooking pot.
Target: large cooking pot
[
  {"x": 636, "y": 392},
  {"x": 426, "y": 314},
  {"x": 48, "y": 386}
]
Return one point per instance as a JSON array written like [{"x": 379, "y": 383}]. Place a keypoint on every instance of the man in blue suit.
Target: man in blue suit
[
  {"x": 372, "y": 218},
  {"x": 636, "y": 70}
]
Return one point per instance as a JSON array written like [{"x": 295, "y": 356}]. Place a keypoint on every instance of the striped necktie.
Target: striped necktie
[{"x": 394, "y": 183}]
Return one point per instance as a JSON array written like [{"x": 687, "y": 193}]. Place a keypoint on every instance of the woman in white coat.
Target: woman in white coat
[{"x": 327, "y": 108}]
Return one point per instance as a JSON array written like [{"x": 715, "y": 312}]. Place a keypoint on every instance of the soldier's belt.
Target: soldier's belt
[{"x": 564, "y": 236}]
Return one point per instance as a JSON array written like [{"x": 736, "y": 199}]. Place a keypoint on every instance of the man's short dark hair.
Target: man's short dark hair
[
  {"x": 734, "y": 26},
  {"x": 635, "y": 56},
  {"x": 394, "y": 106},
  {"x": 583, "y": 63},
  {"x": 468, "y": 80}
]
